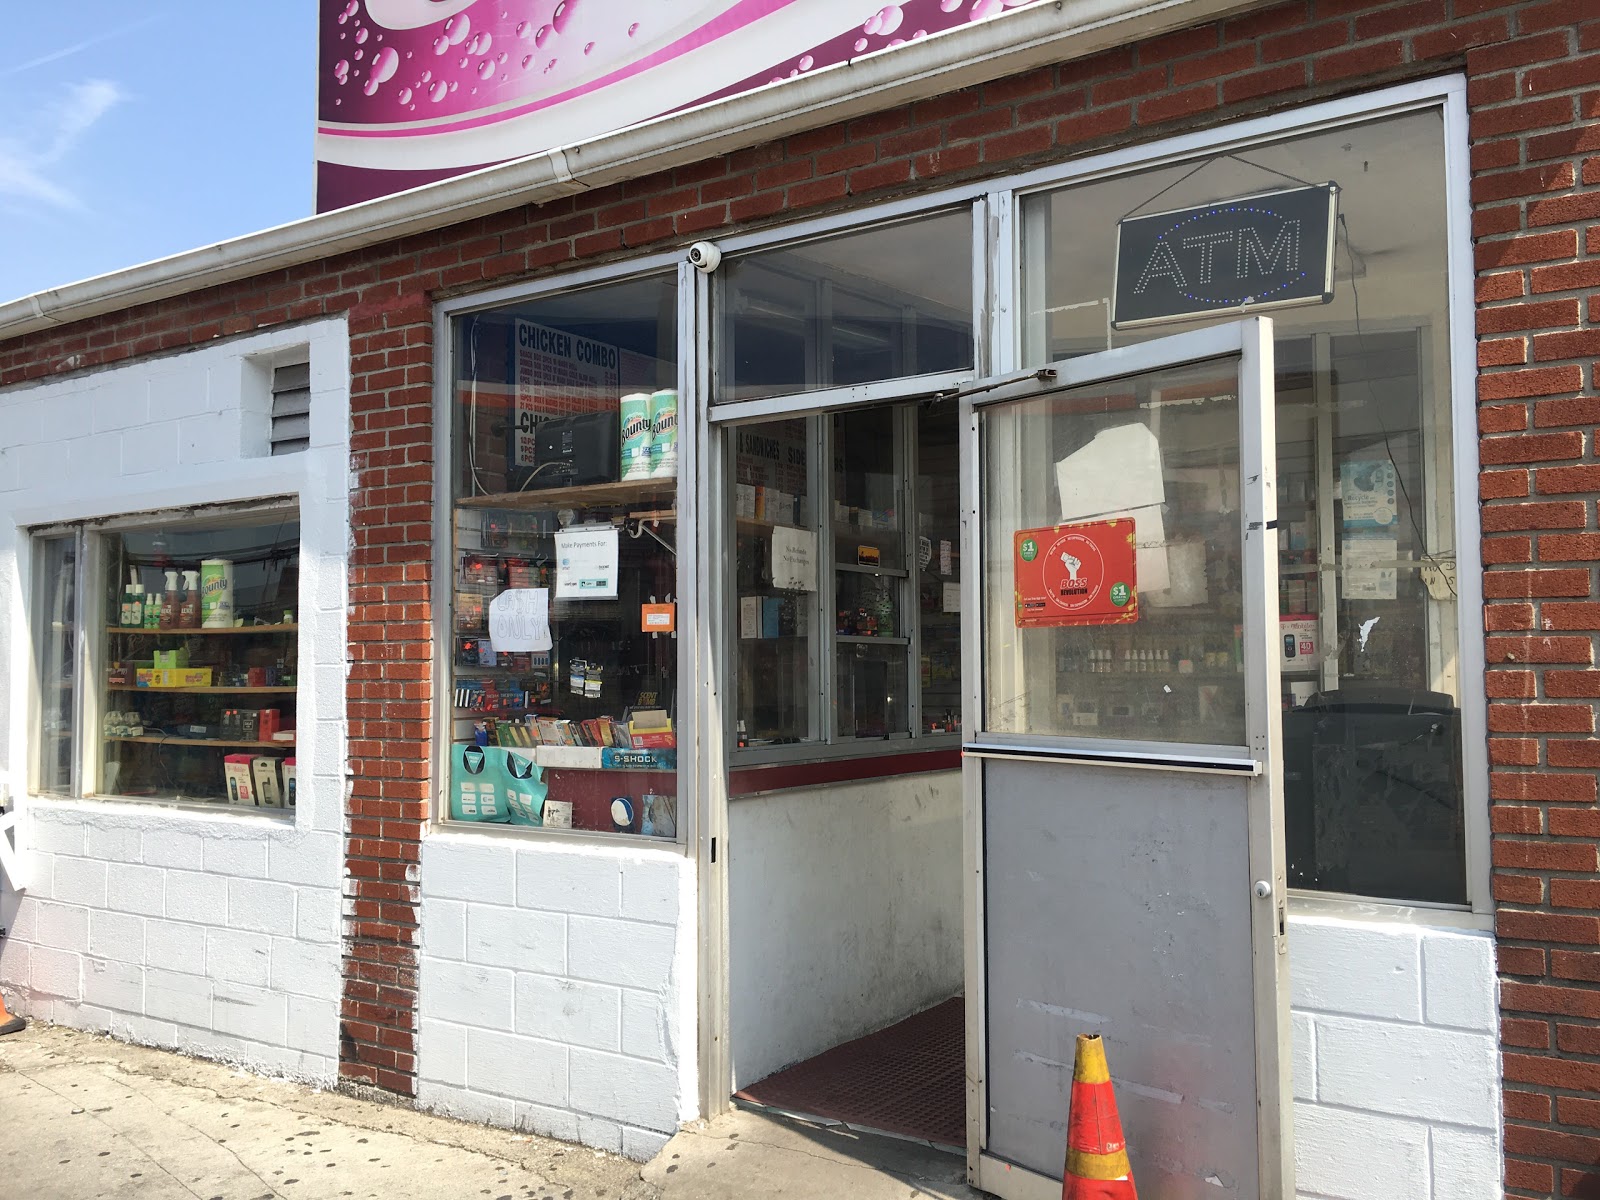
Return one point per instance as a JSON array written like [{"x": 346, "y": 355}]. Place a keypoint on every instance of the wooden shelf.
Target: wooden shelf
[
  {"x": 238, "y": 629},
  {"x": 870, "y": 639},
  {"x": 659, "y": 492},
  {"x": 202, "y": 691},
  {"x": 216, "y": 743}
]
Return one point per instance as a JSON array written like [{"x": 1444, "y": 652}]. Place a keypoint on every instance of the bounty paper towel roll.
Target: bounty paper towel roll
[
  {"x": 664, "y": 434},
  {"x": 635, "y": 415},
  {"x": 216, "y": 593}
]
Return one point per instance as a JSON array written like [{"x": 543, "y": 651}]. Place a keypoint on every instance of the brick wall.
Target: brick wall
[{"x": 1534, "y": 71}]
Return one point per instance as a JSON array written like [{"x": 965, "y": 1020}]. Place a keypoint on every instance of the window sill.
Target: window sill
[
  {"x": 1389, "y": 912},
  {"x": 631, "y": 843},
  {"x": 810, "y": 769},
  {"x": 126, "y": 805}
]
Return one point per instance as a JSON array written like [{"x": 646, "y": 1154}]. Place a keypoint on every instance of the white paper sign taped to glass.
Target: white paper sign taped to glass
[
  {"x": 519, "y": 621},
  {"x": 1118, "y": 476},
  {"x": 1270, "y": 250},
  {"x": 586, "y": 563},
  {"x": 1367, "y": 491},
  {"x": 794, "y": 559}
]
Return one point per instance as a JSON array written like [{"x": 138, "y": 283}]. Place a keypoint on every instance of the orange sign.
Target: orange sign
[
  {"x": 1076, "y": 574},
  {"x": 658, "y": 618}
]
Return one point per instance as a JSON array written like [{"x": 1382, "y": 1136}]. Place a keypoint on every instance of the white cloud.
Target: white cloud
[{"x": 28, "y": 157}]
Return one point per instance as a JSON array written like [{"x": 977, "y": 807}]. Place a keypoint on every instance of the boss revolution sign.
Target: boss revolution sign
[
  {"x": 1079, "y": 574},
  {"x": 1271, "y": 250}
]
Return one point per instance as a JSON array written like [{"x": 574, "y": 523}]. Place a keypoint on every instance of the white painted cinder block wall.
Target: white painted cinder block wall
[
  {"x": 844, "y": 913},
  {"x": 1396, "y": 1061},
  {"x": 212, "y": 932},
  {"x": 557, "y": 988}
]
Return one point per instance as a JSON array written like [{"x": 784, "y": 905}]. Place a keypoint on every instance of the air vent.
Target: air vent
[{"x": 291, "y": 408}]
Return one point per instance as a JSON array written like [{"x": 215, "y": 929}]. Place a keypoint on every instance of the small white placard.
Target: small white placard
[
  {"x": 952, "y": 597},
  {"x": 794, "y": 559},
  {"x": 586, "y": 564},
  {"x": 749, "y": 616},
  {"x": 946, "y": 557},
  {"x": 519, "y": 621},
  {"x": 1369, "y": 568}
]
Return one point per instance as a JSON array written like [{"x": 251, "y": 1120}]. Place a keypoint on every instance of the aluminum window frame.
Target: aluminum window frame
[
  {"x": 689, "y": 342},
  {"x": 89, "y": 586}
]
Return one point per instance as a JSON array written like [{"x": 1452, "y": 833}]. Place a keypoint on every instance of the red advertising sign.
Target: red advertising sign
[{"x": 1076, "y": 574}]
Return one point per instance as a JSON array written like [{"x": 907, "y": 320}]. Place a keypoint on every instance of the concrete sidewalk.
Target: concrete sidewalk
[{"x": 84, "y": 1116}]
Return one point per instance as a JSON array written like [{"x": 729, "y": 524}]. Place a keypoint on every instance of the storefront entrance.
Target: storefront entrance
[{"x": 1124, "y": 771}]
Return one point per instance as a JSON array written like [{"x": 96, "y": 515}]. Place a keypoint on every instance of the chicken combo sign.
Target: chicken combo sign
[{"x": 1080, "y": 574}]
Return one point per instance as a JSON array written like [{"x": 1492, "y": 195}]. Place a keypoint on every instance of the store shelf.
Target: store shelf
[
  {"x": 661, "y": 492},
  {"x": 858, "y": 569},
  {"x": 216, "y": 743},
  {"x": 856, "y": 639},
  {"x": 238, "y": 629},
  {"x": 202, "y": 691}
]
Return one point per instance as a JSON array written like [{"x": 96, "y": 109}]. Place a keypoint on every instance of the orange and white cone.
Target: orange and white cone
[{"x": 1097, "y": 1154}]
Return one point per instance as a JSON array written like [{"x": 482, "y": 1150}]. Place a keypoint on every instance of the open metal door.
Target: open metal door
[{"x": 1122, "y": 766}]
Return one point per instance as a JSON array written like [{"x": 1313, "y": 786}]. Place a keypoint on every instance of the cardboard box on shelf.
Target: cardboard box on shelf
[
  {"x": 171, "y": 678},
  {"x": 264, "y": 770},
  {"x": 236, "y": 774}
]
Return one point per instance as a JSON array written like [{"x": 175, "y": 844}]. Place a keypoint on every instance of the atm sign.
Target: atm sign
[{"x": 1076, "y": 574}]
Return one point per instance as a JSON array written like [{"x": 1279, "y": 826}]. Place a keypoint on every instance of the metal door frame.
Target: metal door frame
[{"x": 1260, "y": 761}]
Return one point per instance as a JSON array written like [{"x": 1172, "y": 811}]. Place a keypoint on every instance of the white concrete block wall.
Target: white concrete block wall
[
  {"x": 557, "y": 988},
  {"x": 1396, "y": 1061},
  {"x": 871, "y": 933},
  {"x": 203, "y": 930}
]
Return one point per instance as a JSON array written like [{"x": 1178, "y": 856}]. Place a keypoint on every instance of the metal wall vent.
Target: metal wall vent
[{"x": 291, "y": 408}]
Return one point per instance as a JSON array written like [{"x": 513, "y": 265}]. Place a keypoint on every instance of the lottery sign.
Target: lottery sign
[{"x": 1076, "y": 574}]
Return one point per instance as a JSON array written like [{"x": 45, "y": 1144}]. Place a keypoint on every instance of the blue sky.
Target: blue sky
[{"x": 129, "y": 132}]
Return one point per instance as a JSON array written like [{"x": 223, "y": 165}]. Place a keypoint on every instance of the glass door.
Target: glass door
[{"x": 1123, "y": 767}]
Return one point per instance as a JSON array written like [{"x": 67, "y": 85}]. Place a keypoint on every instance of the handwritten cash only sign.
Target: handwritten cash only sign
[{"x": 1076, "y": 574}]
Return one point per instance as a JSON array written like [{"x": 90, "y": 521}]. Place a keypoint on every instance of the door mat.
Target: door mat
[{"x": 907, "y": 1080}]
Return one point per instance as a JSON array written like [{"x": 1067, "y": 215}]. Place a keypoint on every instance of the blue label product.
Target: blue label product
[
  {"x": 635, "y": 415},
  {"x": 474, "y": 785},
  {"x": 664, "y": 434},
  {"x": 525, "y": 788},
  {"x": 622, "y": 814}
]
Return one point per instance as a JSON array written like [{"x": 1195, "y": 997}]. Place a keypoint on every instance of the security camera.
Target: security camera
[{"x": 704, "y": 257}]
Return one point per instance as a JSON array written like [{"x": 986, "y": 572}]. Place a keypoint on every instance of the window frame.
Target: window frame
[
  {"x": 689, "y": 319},
  {"x": 90, "y": 583}
]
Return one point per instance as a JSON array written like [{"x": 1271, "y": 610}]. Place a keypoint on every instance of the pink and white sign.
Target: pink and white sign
[{"x": 410, "y": 91}]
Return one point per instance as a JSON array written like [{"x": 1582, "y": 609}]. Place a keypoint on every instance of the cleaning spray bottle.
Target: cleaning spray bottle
[
  {"x": 152, "y": 608},
  {"x": 127, "y": 619},
  {"x": 171, "y": 602},
  {"x": 189, "y": 610}
]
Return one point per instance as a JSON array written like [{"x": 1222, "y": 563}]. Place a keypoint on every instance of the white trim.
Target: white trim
[{"x": 973, "y": 54}]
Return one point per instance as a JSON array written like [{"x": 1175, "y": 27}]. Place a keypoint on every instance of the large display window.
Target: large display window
[
  {"x": 1371, "y": 667},
  {"x": 564, "y": 711},
  {"x": 168, "y": 650}
]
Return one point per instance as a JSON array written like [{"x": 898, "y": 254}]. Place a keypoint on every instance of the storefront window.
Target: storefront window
[
  {"x": 883, "y": 303},
  {"x": 193, "y": 650},
  {"x": 1367, "y": 542},
  {"x": 564, "y": 709},
  {"x": 847, "y": 582}
]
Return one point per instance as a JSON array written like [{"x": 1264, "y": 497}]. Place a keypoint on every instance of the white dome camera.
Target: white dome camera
[{"x": 704, "y": 257}]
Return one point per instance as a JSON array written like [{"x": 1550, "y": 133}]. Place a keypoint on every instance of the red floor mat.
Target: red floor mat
[{"x": 907, "y": 1079}]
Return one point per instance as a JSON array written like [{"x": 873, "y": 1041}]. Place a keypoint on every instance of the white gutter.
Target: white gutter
[{"x": 1019, "y": 41}]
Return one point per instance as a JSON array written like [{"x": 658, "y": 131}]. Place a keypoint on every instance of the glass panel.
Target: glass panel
[
  {"x": 57, "y": 633},
  {"x": 1113, "y": 574},
  {"x": 876, "y": 304},
  {"x": 1367, "y": 596},
  {"x": 564, "y": 562},
  {"x": 201, "y": 654},
  {"x": 870, "y": 690},
  {"x": 777, "y": 575},
  {"x": 938, "y": 517}
]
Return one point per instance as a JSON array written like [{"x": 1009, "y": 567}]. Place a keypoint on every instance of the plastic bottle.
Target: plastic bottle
[
  {"x": 189, "y": 610},
  {"x": 136, "y": 606},
  {"x": 126, "y": 619},
  {"x": 171, "y": 602},
  {"x": 152, "y": 609}
]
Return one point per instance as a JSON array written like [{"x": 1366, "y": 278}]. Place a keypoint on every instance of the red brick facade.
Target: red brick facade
[{"x": 1534, "y": 92}]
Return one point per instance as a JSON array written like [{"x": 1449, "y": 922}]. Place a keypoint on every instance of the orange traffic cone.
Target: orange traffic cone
[{"x": 1097, "y": 1154}]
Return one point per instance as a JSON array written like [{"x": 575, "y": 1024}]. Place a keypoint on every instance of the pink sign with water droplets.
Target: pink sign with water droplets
[{"x": 411, "y": 91}]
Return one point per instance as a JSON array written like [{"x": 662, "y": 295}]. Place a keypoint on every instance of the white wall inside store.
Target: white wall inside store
[
  {"x": 844, "y": 913},
  {"x": 558, "y": 988},
  {"x": 204, "y": 930}
]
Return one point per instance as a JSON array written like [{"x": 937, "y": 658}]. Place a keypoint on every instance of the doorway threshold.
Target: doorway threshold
[{"x": 905, "y": 1081}]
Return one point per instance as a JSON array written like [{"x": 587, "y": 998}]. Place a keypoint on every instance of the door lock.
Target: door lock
[{"x": 1263, "y": 889}]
